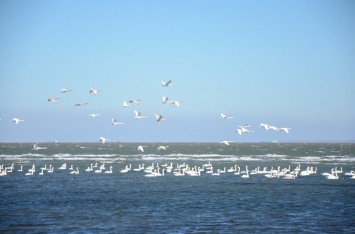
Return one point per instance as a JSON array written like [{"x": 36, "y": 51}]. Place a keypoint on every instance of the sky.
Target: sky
[{"x": 283, "y": 63}]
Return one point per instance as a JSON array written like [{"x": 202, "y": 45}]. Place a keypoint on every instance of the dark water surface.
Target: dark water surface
[{"x": 89, "y": 202}]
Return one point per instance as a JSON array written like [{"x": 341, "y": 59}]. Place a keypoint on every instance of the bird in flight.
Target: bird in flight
[
  {"x": 94, "y": 91},
  {"x": 103, "y": 140},
  {"x": 161, "y": 147},
  {"x": 284, "y": 130},
  {"x": 223, "y": 116},
  {"x": 115, "y": 122},
  {"x": 81, "y": 104},
  {"x": 17, "y": 120},
  {"x": 62, "y": 90},
  {"x": 53, "y": 99},
  {"x": 243, "y": 129},
  {"x": 135, "y": 101},
  {"x": 159, "y": 117},
  {"x": 226, "y": 142},
  {"x": 94, "y": 115},
  {"x": 166, "y": 84},
  {"x": 141, "y": 148},
  {"x": 124, "y": 104},
  {"x": 138, "y": 115}
]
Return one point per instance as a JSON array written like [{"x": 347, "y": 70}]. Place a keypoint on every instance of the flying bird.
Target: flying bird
[
  {"x": 141, "y": 148},
  {"x": 138, "y": 115},
  {"x": 94, "y": 115},
  {"x": 159, "y": 117},
  {"x": 135, "y": 101},
  {"x": 124, "y": 104},
  {"x": 175, "y": 103},
  {"x": 165, "y": 99},
  {"x": 62, "y": 90},
  {"x": 161, "y": 147},
  {"x": 103, "y": 140},
  {"x": 52, "y": 99},
  {"x": 94, "y": 91},
  {"x": 166, "y": 84},
  {"x": 81, "y": 104},
  {"x": 284, "y": 130},
  {"x": 226, "y": 142},
  {"x": 115, "y": 122},
  {"x": 36, "y": 147},
  {"x": 223, "y": 116},
  {"x": 243, "y": 129},
  {"x": 17, "y": 121}
]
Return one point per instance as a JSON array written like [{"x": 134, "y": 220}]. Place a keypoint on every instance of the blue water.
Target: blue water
[{"x": 89, "y": 202}]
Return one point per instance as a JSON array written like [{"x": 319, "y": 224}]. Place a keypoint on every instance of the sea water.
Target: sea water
[{"x": 89, "y": 202}]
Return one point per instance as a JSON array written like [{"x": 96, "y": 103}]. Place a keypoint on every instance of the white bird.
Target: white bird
[
  {"x": 62, "y": 90},
  {"x": 81, "y": 104},
  {"x": 36, "y": 147},
  {"x": 94, "y": 115},
  {"x": 226, "y": 142},
  {"x": 110, "y": 171},
  {"x": 115, "y": 122},
  {"x": 75, "y": 172},
  {"x": 223, "y": 116},
  {"x": 138, "y": 115},
  {"x": 284, "y": 130},
  {"x": 166, "y": 84},
  {"x": 262, "y": 125},
  {"x": 16, "y": 120},
  {"x": 52, "y": 99},
  {"x": 161, "y": 147},
  {"x": 175, "y": 103},
  {"x": 159, "y": 117},
  {"x": 141, "y": 148},
  {"x": 243, "y": 129},
  {"x": 136, "y": 101},
  {"x": 103, "y": 140},
  {"x": 165, "y": 99},
  {"x": 94, "y": 91},
  {"x": 124, "y": 104}
]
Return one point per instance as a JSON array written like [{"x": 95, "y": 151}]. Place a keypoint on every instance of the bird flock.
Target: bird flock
[
  {"x": 135, "y": 103},
  {"x": 155, "y": 170}
]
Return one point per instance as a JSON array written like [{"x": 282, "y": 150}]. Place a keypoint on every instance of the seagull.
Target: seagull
[
  {"x": 226, "y": 142},
  {"x": 161, "y": 147},
  {"x": 138, "y": 115},
  {"x": 141, "y": 148},
  {"x": 166, "y": 84},
  {"x": 52, "y": 99},
  {"x": 159, "y": 117},
  {"x": 103, "y": 140},
  {"x": 242, "y": 129},
  {"x": 17, "y": 121},
  {"x": 36, "y": 147},
  {"x": 284, "y": 130},
  {"x": 81, "y": 104},
  {"x": 94, "y": 115},
  {"x": 125, "y": 104},
  {"x": 94, "y": 91},
  {"x": 115, "y": 122},
  {"x": 223, "y": 116},
  {"x": 62, "y": 90}
]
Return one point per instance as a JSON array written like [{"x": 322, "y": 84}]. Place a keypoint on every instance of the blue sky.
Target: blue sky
[{"x": 284, "y": 63}]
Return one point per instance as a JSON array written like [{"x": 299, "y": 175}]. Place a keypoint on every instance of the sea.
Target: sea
[{"x": 174, "y": 201}]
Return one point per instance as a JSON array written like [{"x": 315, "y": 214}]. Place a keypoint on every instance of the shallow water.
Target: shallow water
[{"x": 132, "y": 203}]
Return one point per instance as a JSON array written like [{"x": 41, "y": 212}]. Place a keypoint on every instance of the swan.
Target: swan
[
  {"x": 351, "y": 173},
  {"x": 63, "y": 90},
  {"x": 36, "y": 147},
  {"x": 223, "y": 116},
  {"x": 71, "y": 168},
  {"x": 339, "y": 171},
  {"x": 284, "y": 130},
  {"x": 75, "y": 172},
  {"x": 332, "y": 176},
  {"x": 159, "y": 117},
  {"x": 246, "y": 175},
  {"x": 166, "y": 84},
  {"x": 243, "y": 129},
  {"x": 51, "y": 169},
  {"x": 141, "y": 148},
  {"x": 17, "y": 120},
  {"x": 135, "y": 101},
  {"x": 94, "y": 115},
  {"x": 161, "y": 147},
  {"x": 41, "y": 173},
  {"x": 81, "y": 104},
  {"x": 21, "y": 169},
  {"x": 233, "y": 169},
  {"x": 226, "y": 142},
  {"x": 103, "y": 140},
  {"x": 99, "y": 170},
  {"x": 29, "y": 173},
  {"x": 89, "y": 169},
  {"x": 138, "y": 115},
  {"x": 110, "y": 171},
  {"x": 94, "y": 91},
  {"x": 125, "y": 104},
  {"x": 165, "y": 99},
  {"x": 115, "y": 122},
  {"x": 53, "y": 99},
  {"x": 140, "y": 167},
  {"x": 127, "y": 169},
  {"x": 179, "y": 173},
  {"x": 216, "y": 174}
]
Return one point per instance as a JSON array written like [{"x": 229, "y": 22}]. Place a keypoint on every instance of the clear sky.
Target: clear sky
[{"x": 283, "y": 63}]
